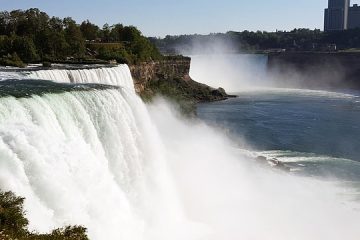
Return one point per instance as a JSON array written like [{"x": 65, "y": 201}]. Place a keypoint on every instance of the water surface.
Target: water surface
[{"x": 314, "y": 130}]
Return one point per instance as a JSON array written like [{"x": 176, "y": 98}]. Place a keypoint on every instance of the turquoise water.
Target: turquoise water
[{"x": 315, "y": 133}]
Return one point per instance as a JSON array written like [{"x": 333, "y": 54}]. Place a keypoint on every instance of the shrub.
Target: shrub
[
  {"x": 46, "y": 64},
  {"x": 13, "y": 223},
  {"x": 12, "y": 220},
  {"x": 12, "y": 60}
]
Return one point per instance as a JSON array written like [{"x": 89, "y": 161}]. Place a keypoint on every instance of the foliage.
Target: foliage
[
  {"x": 13, "y": 223},
  {"x": 12, "y": 60},
  {"x": 90, "y": 31},
  {"x": 26, "y": 49},
  {"x": 36, "y": 37},
  {"x": 111, "y": 51},
  {"x": 295, "y": 40},
  {"x": 185, "y": 93},
  {"x": 74, "y": 38},
  {"x": 12, "y": 220}
]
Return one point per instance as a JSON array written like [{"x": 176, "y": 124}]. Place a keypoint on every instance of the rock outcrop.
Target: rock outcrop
[
  {"x": 170, "y": 68},
  {"x": 170, "y": 77}
]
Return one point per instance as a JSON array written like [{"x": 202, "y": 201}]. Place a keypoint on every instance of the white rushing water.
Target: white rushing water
[
  {"x": 118, "y": 76},
  {"x": 103, "y": 160}
]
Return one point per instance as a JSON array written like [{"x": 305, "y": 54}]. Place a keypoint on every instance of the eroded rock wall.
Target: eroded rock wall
[{"x": 143, "y": 73}]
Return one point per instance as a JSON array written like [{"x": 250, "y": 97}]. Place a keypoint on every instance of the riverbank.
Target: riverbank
[{"x": 326, "y": 70}]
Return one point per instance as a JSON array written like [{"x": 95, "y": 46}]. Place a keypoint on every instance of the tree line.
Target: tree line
[
  {"x": 295, "y": 40},
  {"x": 32, "y": 36}
]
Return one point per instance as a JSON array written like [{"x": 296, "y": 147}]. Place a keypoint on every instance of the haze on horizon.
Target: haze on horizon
[{"x": 173, "y": 17}]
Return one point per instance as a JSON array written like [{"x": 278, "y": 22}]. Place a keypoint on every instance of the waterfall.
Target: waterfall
[
  {"x": 88, "y": 158},
  {"x": 119, "y": 76},
  {"x": 104, "y": 160}
]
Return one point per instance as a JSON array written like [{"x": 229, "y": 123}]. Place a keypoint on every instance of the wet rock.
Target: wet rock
[{"x": 275, "y": 163}]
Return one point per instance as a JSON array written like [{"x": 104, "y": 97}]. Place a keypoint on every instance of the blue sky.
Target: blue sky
[{"x": 162, "y": 17}]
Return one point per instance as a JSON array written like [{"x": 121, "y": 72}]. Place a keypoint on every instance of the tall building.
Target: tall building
[
  {"x": 340, "y": 16},
  {"x": 337, "y": 15},
  {"x": 354, "y": 17}
]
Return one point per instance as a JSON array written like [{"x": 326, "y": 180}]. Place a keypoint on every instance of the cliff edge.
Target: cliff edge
[{"x": 170, "y": 78}]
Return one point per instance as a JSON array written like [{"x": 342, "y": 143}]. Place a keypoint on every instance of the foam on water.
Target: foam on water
[
  {"x": 9, "y": 75},
  {"x": 302, "y": 93}
]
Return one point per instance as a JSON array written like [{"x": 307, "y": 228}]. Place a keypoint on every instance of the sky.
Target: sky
[{"x": 159, "y": 18}]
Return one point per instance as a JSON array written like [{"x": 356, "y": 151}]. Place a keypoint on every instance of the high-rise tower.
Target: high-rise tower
[{"x": 337, "y": 15}]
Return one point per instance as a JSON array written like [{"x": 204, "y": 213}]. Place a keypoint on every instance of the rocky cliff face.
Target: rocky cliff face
[
  {"x": 147, "y": 72},
  {"x": 170, "y": 78}
]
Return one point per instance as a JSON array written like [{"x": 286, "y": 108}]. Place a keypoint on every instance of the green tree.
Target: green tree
[
  {"x": 106, "y": 33},
  {"x": 117, "y": 32},
  {"x": 13, "y": 224},
  {"x": 12, "y": 219},
  {"x": 74, "y": 38},
  {"x": 90, "y": 31},
  {"x": 26, "y": 49},
  {"x": 32, "y": 35}
]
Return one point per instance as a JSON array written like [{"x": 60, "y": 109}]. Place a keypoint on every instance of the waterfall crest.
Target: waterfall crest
[{"x": 119, "y": 76}]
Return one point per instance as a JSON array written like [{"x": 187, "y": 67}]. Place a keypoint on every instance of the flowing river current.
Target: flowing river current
[
  {"x": 83, "y": 149},
  {"x": 314, "y": 132}
]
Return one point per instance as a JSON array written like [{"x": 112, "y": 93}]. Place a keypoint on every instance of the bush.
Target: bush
[
  {"x": 13, "y": 223},
  {"x": 12, "y": 220},
  {"x": 12, "y": 60},
  {"x": 46, "y": 64},
  {"x": 118, "y": 53}
]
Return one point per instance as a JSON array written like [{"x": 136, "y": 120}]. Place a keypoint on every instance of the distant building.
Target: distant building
[
  {"x": 336, "y": 15},
  {"x": 354, "y": 17},
  {"x": 340, "y": 16}
]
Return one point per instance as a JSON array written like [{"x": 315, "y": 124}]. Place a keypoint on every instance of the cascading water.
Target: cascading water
[
  {"x": 86, "y": 158},
  {"x": 103, "y": 160},
  {"x": 118, "y": 76}
]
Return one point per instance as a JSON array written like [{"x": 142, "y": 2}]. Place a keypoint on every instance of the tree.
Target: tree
[
  {"x": 13, "y": 223},
  {"x": 117, "y": 33},
  {"x": 105, "y": 33},
  {"x": 74, "y": 38},
  {"x": 26, "y": 49},
  {"x": 12, "y": 218},
  {"x": 5, "y": 45},
  {"x": 90, "y": 31},
  {"x": 32, "y": 35}
]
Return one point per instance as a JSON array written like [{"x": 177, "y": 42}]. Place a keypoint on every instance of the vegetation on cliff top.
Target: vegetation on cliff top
[
  {"x": 13, "y": 223},
  {"x": 184, "y": 93},
  {"x": 31, "y": 36}
]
